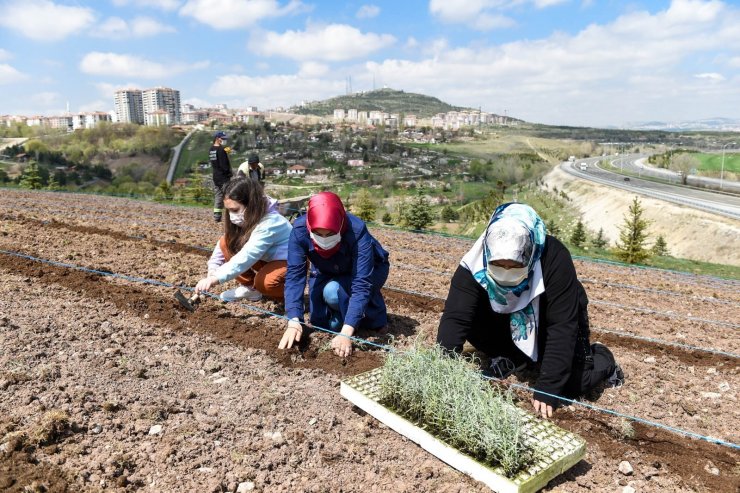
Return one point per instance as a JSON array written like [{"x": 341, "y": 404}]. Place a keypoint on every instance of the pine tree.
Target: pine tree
[
  {"x": 31, "y": 178},
  {"x": 449, "y": 214},
  {"x": 579, "y": 235},
  {"x": 387, "y": 218},
  {"x": 599, "y": 241},
  {"x": 164, "y": 191},
  {"x": 365, "y": 207},
  {"x": 552, "y": 228},
  {"x": 196, "y": 190},
  {"x": 660, "y": 248},
  {"x": 419, "y": 213},
  {"x": 632, "y": 235},
  {"x": 53, "y": 184}
]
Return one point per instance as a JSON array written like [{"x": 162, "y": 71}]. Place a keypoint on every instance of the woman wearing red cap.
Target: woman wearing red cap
[{"x": 348, "y": 269}]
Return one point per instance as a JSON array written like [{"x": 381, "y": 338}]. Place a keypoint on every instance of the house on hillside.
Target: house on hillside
[{"x": 296, "y": 170}]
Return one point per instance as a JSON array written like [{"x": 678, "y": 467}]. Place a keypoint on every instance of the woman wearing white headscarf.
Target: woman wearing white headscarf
[{"x": 515, "y": 296}]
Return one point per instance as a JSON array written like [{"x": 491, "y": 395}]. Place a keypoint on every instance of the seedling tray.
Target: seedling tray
[{"x": 562, "y": 449}]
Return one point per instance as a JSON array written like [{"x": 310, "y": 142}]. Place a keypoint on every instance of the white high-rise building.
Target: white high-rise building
[
  {"x": 128, "y": 106},
  {"x": 162, "y": 98}
]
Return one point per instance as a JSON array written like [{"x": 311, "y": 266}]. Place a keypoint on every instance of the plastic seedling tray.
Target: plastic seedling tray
[{"x": 562, "y": 449}]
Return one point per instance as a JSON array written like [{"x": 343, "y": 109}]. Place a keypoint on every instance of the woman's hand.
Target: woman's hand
[
  {"x": 291, "y": 335},
  {"x": 206, "y": 284},
  {"x": 341, "y": 345},
  {"x": 545, "y": 410}
]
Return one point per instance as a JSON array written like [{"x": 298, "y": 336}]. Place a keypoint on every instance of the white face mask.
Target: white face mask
[
  {"x": 326, "y": 242},
  {"x": 237, "y": 218},
  {"x": 507, "y": 277}
]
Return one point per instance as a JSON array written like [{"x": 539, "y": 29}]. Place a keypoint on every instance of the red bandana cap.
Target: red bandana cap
[{"x": 325, "y": 210}]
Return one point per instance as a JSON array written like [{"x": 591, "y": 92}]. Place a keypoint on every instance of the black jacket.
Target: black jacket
[
  {"x": 563, "y": 328},
  {"x": 220, "y": 165}
]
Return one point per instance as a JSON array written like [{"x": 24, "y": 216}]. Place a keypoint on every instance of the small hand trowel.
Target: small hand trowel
[{"x": 189, "y": 303}]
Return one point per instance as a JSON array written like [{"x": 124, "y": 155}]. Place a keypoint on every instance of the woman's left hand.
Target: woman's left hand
[
  {"x": 206, "y": 284},
  {"x": 341, "y": 345},
  {"x": 541, "y": 408}
]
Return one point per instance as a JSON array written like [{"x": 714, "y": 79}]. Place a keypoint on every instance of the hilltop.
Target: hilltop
[{"x": 388, "y": 100}]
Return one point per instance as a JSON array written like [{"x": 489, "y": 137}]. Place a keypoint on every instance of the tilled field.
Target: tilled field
[{"x": 136, "y": 393}]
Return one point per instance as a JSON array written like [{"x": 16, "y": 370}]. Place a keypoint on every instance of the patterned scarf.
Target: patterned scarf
[{"x": 514, "y": 232}]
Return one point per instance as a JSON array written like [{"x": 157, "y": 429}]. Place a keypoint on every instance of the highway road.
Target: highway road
[{"x": 718, "y": 203}]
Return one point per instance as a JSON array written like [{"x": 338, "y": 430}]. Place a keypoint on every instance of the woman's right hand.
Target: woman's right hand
[{"x": 292, "y": 334}]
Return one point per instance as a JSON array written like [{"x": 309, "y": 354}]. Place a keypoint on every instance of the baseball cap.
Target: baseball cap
[
  {"x": 253, "y": 159},
  {"x": 219, "y": 135}
]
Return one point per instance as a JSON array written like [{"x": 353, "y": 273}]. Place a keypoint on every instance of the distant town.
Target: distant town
[{"x": 161, "y": 106}]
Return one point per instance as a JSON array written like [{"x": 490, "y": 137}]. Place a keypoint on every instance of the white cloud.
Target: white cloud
[
  {"x": 97, "y": 105},
  {"x": 43, "y": 20},
  {"x": 734, "y": 62},
  {"x": 313, "y": 69},
  {"x": 46, "y": 98},
  {"x": 274, "y": 90},
  {"x": 107, "y": 89},
  {"x": 334, "y": 42},
  {"x": 474, "y": 13},
  {"x": 5, "y": 55},
  {"x": 9, "y": 75},
  {"x": 232, "y": 14},
  {"x": 140, "y": 27},
  {"x": 367, "y": 11},
  {"x": 159, "y": 4},
  {"x": 123, "y": 65},
  {"x": 713, "y": 76},
  {"x": 541, "y": 4},
  {"x": 625, "y": 70},
  {"x": 197, "y": 102},
  {"x": 411, "y": 43}
]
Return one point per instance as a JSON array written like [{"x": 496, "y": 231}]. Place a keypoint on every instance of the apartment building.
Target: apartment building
[
  {"x": 128, "y": 106},
  {"x": 162, "y": 99}
]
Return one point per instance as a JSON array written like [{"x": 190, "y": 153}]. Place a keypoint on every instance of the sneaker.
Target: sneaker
[
  {"x": 616, "y": 379},
  {"x": 241, "y": 293},
  {"x": 501, "y": 367},
  {"x": 217, "y": 217}
]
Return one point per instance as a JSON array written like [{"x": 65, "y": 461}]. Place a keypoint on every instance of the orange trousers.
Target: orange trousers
[{"x": 266, "y": 277}]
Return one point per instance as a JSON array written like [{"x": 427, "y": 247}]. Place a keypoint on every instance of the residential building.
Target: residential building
[
  {"x": 375, "y": 117},
  {"x": 339, "y": 114},
  {"x": 251, "y": 117},
  {"x": 35, "y": 121},
  {"x": 296, "y": 170},
  {"x": 64, "y": 122},
  {"x": 129, "y": 106},
  {"x": 352, "y": 115},
  {"x": 89, "y": 119},
  {"x": 162, "y": 98},
  {"x": 196, "y": 116},
  {"x": 252, "y": 109},
  {"x": 158, "y": 118},
  {"x": 409, "y": 121}
]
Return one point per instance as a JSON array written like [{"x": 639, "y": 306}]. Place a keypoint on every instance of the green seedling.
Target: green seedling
[{"x": 448, "y": 397}]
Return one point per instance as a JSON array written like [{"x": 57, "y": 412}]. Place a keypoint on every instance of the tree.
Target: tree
[
  {"x": 579, "y": 235},
  {"x": 419, "y": 213},
  {"x": 660, "y": 248},
  {"x": 365, "y": 206},
  {"x": 31, "y": 178},
  {"x": 164, "y": 191},
  {"x": 684, "y": 163},
  {"x": 632, "y": 235},
  {"x": 449, "y": 214},
  {"x": 387, "y": 218},
  {"x": 53, "y": 184},
  {"x": 196, "y": 190},
  {"x": 599, "y": 241}
]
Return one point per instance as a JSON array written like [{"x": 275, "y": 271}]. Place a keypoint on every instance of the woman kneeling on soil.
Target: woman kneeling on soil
[
  {"x": 254, "y": 247},
  {"x": 515, "y": 296},
  {"x": 348, "y": 268}
]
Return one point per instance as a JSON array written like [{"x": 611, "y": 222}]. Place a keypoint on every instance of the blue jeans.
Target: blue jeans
[{"x": 331, "y": 298}]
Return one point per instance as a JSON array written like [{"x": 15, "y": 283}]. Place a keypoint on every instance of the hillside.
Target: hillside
[{"x": 388, "y": 100}]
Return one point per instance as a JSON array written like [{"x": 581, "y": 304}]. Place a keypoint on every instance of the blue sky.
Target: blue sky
[{"x": 572, "y": 62}]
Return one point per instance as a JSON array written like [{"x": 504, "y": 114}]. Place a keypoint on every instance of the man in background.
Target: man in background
[
  {"x": 252, "y": 169},
  {"x": 221, "y": 168}
]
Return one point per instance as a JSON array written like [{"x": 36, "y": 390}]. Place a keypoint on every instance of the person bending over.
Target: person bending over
[
  {"x": 515, "y": 296},
  {"x": 348, "y": 269},
  {"x": 254, "y": 247}
]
